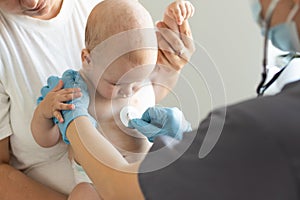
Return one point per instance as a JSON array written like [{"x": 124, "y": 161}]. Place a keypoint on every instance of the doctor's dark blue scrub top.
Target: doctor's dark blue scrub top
[{"x": 257, "y": 156}]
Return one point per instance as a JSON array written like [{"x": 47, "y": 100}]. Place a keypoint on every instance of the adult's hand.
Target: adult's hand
[
  {"x": 175, "y": 43},
  {"x": 71, "y": 79},
  {"x": 158, "y": 121}
]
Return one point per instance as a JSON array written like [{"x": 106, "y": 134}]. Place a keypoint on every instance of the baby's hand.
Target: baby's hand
[
  {"x": 54, "y": 101},
  {"x": 180, "y": 10}
]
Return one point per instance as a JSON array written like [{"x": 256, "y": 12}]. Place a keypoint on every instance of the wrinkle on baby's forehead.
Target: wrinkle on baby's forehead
[
  {"x": 105, "y": 53},
  {"x": 120, "y": 44}
]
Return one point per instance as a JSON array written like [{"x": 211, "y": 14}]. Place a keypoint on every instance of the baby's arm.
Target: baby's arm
[
  {"x": 44, "y": 131},
  {"x": 175, "y": 49}
]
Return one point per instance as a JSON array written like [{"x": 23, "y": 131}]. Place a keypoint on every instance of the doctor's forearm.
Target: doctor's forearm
[{"x": 103, "y": 163}]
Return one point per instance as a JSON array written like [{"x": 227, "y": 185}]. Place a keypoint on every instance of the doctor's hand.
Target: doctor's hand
[
  {"x": 72, "y": 79},
  {"x": 75, "y": 104},
  {"x": 158, "y": 121}
]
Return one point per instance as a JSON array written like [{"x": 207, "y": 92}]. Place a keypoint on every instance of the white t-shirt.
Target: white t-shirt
[{"x": 30, "y": 51}]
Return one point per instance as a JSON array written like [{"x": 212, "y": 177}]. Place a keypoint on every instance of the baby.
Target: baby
[{"x": 121, "y": 75}]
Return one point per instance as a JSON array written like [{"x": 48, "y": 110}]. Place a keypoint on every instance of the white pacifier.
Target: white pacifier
[{"x": 127, "y": 113}]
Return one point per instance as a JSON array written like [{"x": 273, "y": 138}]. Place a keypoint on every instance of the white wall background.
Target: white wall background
[{"x": 227, "y": 31}]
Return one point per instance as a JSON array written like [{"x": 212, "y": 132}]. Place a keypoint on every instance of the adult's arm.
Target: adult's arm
[
  {"x": 111, "y": 174},
  {"x": 245, "y": 163},
  {"x": 170, "y": 63},
  {"x": 16, "y": 185}
]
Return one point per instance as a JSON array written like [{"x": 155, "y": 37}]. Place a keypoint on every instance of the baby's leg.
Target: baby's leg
[{"x": 84, "y": 191}]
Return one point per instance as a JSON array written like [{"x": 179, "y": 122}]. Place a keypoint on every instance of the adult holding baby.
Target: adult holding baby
[
  {"x": 256, "y": 151},
  {"x": 40, "y": 38}
]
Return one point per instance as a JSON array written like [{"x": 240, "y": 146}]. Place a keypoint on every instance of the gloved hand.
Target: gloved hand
[
  {"x": 72, "y": 79},
  {"x": 161, "y": 121}
]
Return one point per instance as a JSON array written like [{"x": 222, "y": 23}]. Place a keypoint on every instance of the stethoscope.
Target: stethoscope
[{"x": 262, "y": 86}]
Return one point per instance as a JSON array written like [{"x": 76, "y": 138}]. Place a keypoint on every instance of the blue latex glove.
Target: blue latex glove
[
  {"x": 71, "y": 79},
  {"x": 161, "y": 121}
]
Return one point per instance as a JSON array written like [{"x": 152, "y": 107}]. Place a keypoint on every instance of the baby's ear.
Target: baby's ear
[
  {"x": 85, "y": 56},
  {"x": 86, "y": 59}
]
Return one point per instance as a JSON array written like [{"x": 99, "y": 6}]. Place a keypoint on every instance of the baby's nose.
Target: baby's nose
[{"x": 29, "y": 4}]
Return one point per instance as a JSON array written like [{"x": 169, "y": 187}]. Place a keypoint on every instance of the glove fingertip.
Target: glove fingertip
[
  {"x": 65, "y": 139},
  {"x": 39, "y": 100},
  {"x": 139, "y": 123},
  {"x": 45, "y": 90},
  {"x": 151, "y": 139},
  {"x": 146, "y": 115},
  {"x": 52, "y": 81},
  {"x": 55, "y": 120},
  {"x": 132, "y": 123}
]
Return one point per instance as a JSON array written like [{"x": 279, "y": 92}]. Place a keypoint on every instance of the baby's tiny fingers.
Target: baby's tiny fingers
[
  {"x": 69, "y": 94},
  {"x": 183, "y": 10},
  {"x": 58, "y": 116},
  {"x": 190, "y": 10},
  {"x": 70, "y": 90},
  {"x": 76, "y": 95},
  {"x": 65, "y": 106},
  {"x": 193, "y": 9},
  {"x": 177, "y": 14}
]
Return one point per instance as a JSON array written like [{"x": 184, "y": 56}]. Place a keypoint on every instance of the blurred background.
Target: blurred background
[{"x": 226, "y": 66}]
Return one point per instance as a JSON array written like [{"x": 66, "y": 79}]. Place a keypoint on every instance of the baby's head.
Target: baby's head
[
  {"x": 117, "y": 58},
  {"x": 114, "y": 16}
]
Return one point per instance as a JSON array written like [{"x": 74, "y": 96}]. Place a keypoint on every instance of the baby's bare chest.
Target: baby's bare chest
[{"x": 107, "y": 113}]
